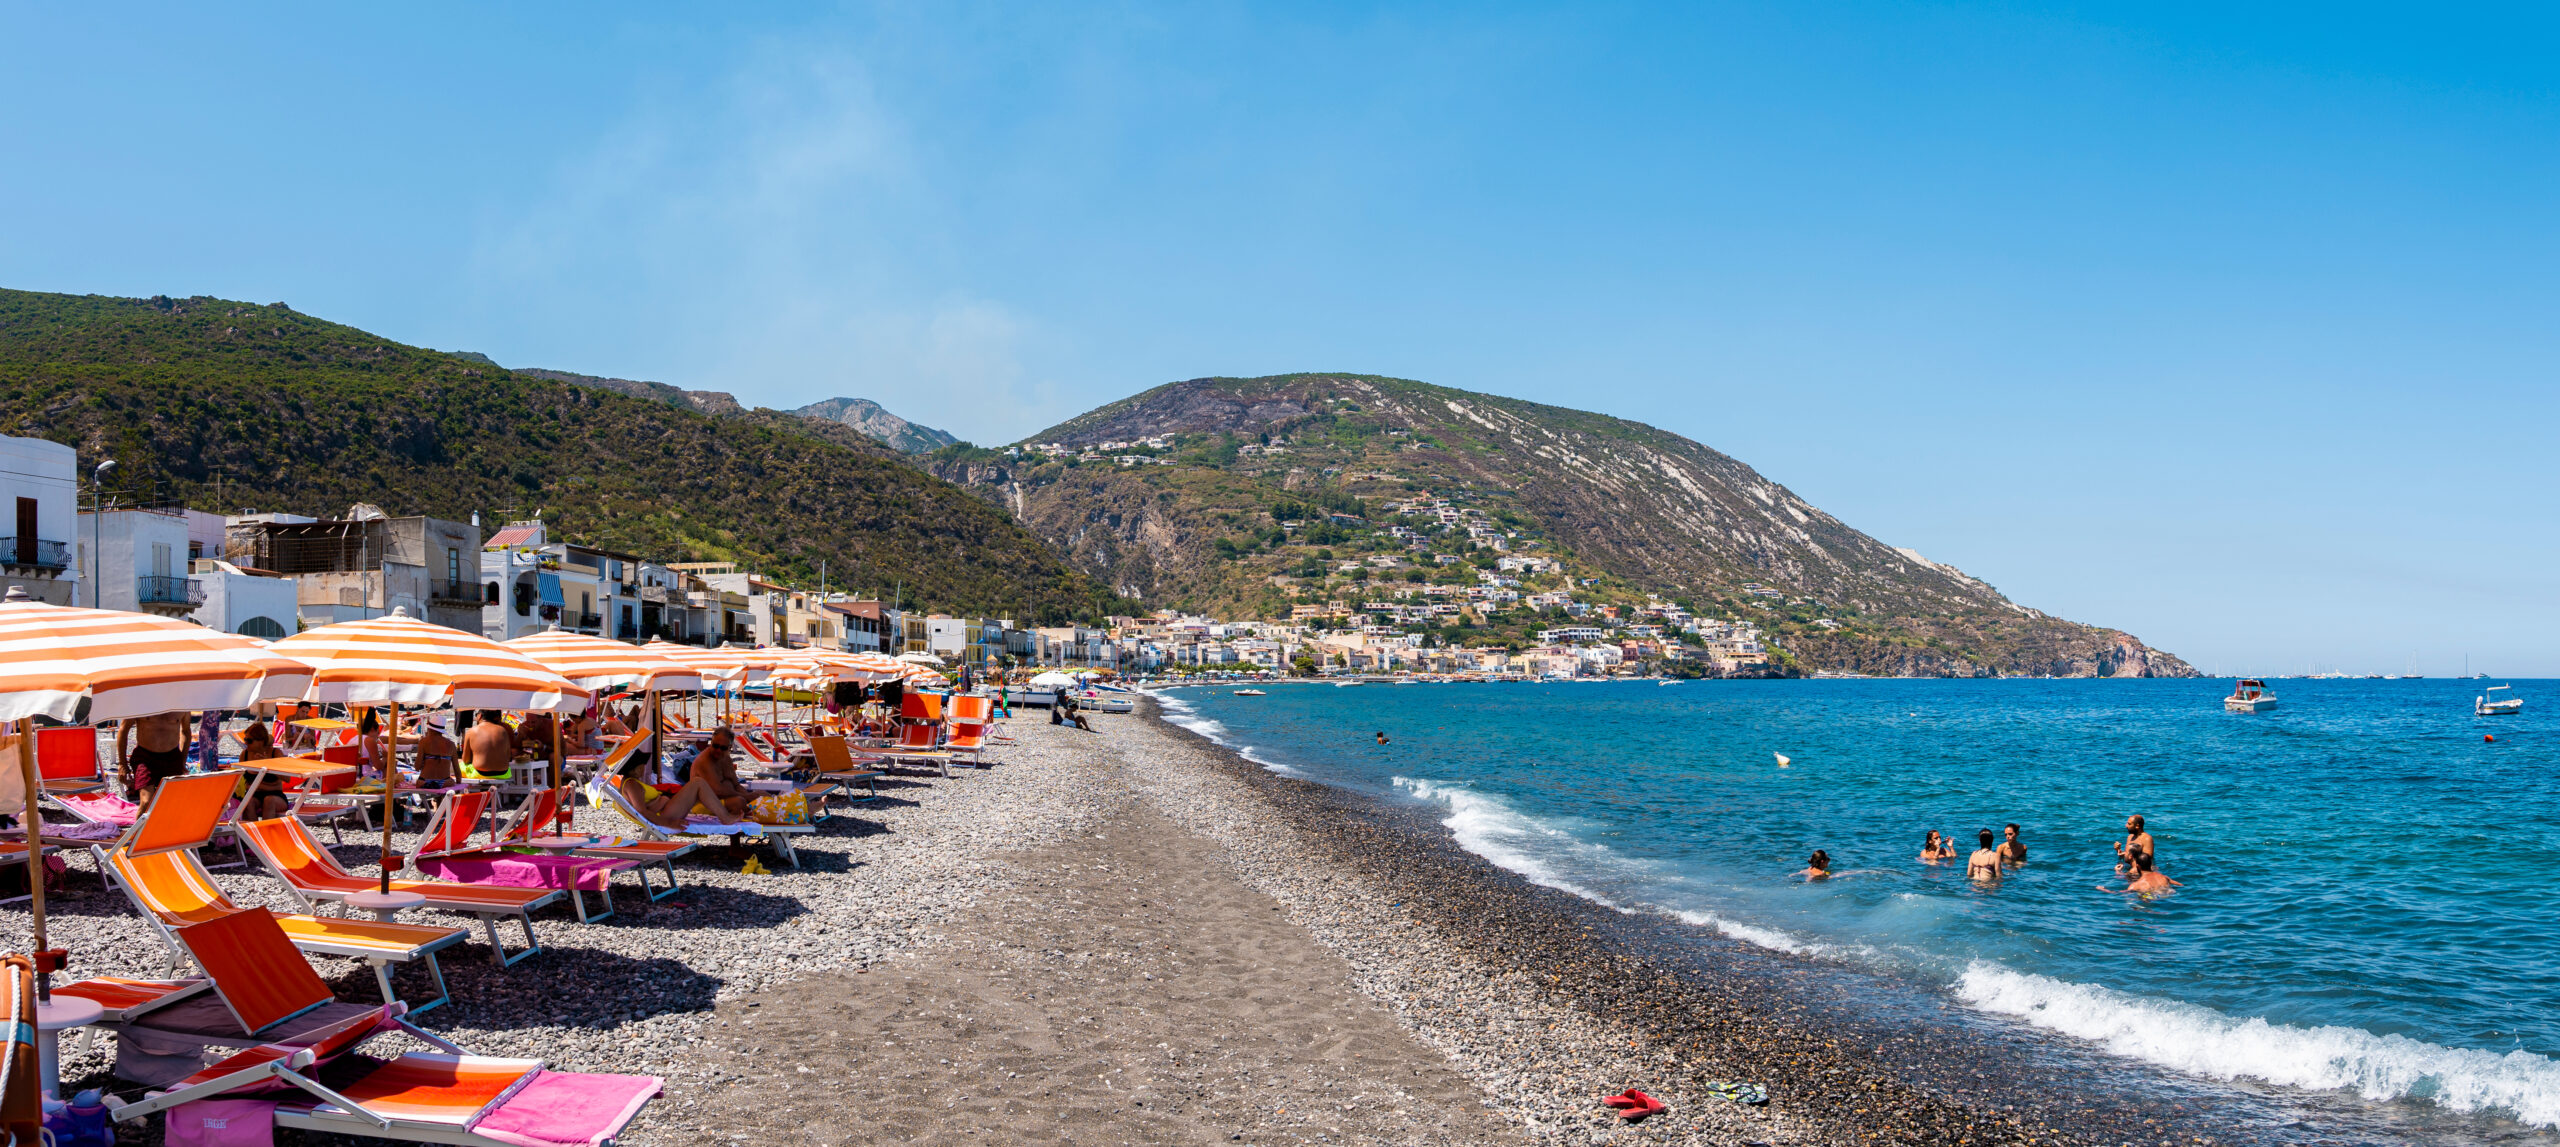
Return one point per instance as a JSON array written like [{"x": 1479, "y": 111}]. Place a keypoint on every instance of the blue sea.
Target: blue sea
[{"x": 2368, "y": 898}]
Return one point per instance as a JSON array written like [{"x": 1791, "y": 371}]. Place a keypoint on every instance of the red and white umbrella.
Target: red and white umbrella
[
  {"x": 130, "y": 665},
  {"x": 603, "y": 663},
  {"x": 402, "y": 660}
]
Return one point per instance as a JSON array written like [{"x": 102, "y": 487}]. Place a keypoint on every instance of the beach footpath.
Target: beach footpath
[{"x": 1165, "y": 959}]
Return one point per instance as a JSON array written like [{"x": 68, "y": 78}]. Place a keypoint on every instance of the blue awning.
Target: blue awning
[{"x": 549, "y": 587}]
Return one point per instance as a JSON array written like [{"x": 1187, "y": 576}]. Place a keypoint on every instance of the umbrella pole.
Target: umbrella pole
[
  {"x": 390, "y": 786},
  {"x": 35, "y": 855}
]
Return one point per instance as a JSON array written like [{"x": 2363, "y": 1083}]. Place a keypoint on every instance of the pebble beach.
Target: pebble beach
[{"x": 1135, "y": 936}]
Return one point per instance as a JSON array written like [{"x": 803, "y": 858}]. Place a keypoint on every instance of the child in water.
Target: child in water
[{"x": 2144, "y": 881}]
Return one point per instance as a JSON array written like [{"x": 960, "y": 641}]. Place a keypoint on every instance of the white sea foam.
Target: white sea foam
[
  {"x": 2202, "y": 1041},
  {"x": 1769, "y": 938},
  {"x": 1187, "y": 715},
  {"x": 1486, "y": 826}
]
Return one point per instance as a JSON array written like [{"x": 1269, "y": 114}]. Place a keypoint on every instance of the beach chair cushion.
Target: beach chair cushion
[
  {"x": 564, "y": 1108},
  {"x": 298, "y": 859}
]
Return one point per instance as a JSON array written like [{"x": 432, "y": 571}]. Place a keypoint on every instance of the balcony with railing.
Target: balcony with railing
[
  {"x": 168, "y": 590},
  {"x": 455, "y": 594},
  {"x": 35, "y": 553},
  {"x": 590, "y": 621}
]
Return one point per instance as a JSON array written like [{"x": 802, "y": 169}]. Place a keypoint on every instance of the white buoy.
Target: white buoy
[{"x": 1782, "y": 759}]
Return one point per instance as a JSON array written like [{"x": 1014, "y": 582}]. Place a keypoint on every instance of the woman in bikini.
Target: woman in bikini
[
  {"x": 1984, "y": 864},
  {"x": 669, "y": 808},
  {"x": 1936, "y": 848},
  {"x": 1818, "y": 866},
  {"x": 255, "y": 745}
]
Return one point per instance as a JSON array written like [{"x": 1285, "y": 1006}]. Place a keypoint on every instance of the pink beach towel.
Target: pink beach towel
[
  {"x": 222, "y": 1123},
  {"x": 568, "y": 1109},
  {"x": 585, "y": 873}
]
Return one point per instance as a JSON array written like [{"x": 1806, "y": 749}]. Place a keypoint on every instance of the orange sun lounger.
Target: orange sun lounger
[
  {"x": 156, "y": 866},
  {"x": 314, "y": 877},
  {"x": 442, "y": 1096}
]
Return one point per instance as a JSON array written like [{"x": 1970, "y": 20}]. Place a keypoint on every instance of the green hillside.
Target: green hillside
[
  {"x": 1626, "y": 510},
  {"x": 225, "y": 405}
]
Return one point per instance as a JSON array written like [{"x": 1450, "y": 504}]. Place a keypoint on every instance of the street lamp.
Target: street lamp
[{"x": 97, "y": 533}]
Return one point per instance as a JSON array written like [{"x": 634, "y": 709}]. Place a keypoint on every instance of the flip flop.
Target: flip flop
[{"x": 1747, "y": 1093}]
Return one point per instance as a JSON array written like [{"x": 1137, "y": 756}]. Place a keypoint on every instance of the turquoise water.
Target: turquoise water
[{"x": 2367, "y": 901}]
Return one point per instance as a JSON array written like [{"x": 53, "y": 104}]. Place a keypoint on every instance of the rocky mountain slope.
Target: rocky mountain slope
[
  {"x": 1624, "y": 508},
  {"x": 220, "y": 404},
  {"x": 890, "y": 430}
]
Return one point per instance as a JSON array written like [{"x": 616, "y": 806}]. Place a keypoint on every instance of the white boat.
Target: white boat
[
  {"x": 1251, "y": 693},
  {"x": 1347, "y": 684},
  {"x": 2490, "y": 704},
  {"x": 2249, "y": 696}
]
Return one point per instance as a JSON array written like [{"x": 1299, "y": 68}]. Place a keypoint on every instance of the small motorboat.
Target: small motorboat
[
  {"x": 1251, "y": 693},
  {"x": 2490, "y": 704},
  {"x": 2249, "y": 696}
]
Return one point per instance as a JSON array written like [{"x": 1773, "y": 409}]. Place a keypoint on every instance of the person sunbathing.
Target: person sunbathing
[
  {"x": 717, "y": 767},
  {"x": 271, "y": 800},
  {"x": 670, "y": 808}
]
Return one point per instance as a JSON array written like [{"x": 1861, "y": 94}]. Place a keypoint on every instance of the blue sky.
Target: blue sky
[{"x": 2235, "y": 331}]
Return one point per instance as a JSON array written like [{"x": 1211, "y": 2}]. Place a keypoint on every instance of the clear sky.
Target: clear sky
[{"x": 2234, "y": 331}]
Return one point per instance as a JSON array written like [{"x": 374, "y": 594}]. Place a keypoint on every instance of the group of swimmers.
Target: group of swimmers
[{"x": 2136, "y": 858}]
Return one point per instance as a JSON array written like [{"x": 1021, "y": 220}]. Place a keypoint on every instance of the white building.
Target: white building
[
  {"x": 39, "y": 480},
  {"x": 237, "y": 601},
  {"x": 140, "y": 558}
]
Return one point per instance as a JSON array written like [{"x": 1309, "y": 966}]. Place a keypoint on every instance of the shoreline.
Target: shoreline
[{"x": 1851, "y": 1056}]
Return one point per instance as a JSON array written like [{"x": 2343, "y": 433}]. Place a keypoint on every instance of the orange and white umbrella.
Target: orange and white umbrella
[
  {"x": 725, "y": 666},
  {"x": 130, "y": 665},
  {"x": 868, "y": 667},
  {"x": 401, "y": 660},
  {"x": 603, "y": 663}
]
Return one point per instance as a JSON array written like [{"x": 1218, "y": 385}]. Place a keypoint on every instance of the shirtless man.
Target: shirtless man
[
  {"x": 2012, "y": 849},
  {"x": 159, "y": 751},
  {"x": 489, "y": 749},
  {"x": 1984, "y": 864},
  {"x": 718, "y": 771},
  {"x": 2135, "y": 840}
]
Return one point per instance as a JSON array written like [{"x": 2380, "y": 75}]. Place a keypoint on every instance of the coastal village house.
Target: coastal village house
[
  {"x": 365, "y": 565},
  {"x": 40, "y": 482}
]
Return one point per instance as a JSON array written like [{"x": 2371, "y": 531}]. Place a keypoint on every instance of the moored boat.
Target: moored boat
[
  {"x": 2489, "y": 704},
  {"x": 2249, "y": 696}
]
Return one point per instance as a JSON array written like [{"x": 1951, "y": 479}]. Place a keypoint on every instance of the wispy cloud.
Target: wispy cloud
[{"x": 777, "y": 233}]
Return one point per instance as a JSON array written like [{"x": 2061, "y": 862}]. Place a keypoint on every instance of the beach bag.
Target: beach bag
[{"x": 778, "y": 808}]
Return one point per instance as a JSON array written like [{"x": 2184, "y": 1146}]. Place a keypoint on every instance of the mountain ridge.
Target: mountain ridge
[{"x": 1634, "y": 508}]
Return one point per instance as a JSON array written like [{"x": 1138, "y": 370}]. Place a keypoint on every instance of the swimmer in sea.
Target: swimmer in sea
[
  {"x": 1382, "y": 737},
  {"x": 1984, "y": 864},
  {"x": 2145, "y": 881},
  {"x": 1936, "y": 849},
  {"x": 2012, "y": 849},
  {"x": 1818, "y": 867},
  {"x": 2135, "y": 840}
]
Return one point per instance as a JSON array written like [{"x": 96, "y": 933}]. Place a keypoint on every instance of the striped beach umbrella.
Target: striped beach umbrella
[
  {"x": 401, "y": 660},
  {"x": 130, "y": 665},
  {"x": 603, "y": 663},
  {"x": 718, "y": 667},
  {"x": 868, "y": 668}
]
